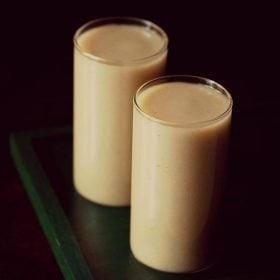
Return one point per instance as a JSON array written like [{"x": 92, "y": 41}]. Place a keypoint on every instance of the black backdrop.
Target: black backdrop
[{"x": 234, "y": 44}]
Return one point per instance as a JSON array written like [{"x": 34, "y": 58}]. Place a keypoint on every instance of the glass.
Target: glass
[
  {"x": 178, "y": 172},
  {"x": 111, "y": 61}
]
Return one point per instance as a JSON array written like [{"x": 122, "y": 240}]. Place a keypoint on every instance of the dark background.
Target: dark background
[{"x": 234, "y": 44}]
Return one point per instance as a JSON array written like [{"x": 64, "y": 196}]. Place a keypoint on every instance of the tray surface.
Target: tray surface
[{"x": 91, "y": 241}]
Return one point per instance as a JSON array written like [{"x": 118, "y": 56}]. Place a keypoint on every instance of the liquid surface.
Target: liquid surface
[
  {"x": 182, "y": 103},
  {"x": 120, "y": 42}
]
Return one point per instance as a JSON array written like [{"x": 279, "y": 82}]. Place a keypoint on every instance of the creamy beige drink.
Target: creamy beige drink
[
  {"x": 112, "y": 58},
  {"x": 180, "y": 135}
]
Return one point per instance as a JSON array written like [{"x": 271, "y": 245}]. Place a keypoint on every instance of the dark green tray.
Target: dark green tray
[{"x": 89, "y": 241}]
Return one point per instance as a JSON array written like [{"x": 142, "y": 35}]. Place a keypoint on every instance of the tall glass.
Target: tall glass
[
  {"x": 180, "y": 136},
  {"x": 112, "y": 58}
]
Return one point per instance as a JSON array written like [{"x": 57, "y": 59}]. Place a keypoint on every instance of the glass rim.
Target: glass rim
[
  {"x": 121, "y": 20},
  {"x": 187, "y": 79}
]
